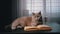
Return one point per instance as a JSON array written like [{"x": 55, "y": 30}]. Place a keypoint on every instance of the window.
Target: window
[
  {"x": 53, "y": 8},
  {"x": 34, "y": 5}
]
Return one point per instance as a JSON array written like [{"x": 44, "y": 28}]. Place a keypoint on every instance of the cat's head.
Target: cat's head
[{"x": 36, "y": 16}]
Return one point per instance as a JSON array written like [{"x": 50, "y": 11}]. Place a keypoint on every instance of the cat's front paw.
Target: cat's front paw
[
  {"x": 19, "y": 26},
  {"x": 13, "y": 28}
]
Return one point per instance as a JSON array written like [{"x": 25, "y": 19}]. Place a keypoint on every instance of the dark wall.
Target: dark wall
[
  {"x": 14, "y": 9},
  {"x": 5, "y": 13}
]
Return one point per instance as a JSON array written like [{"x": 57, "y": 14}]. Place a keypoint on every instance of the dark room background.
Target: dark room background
[{"x": 6, "y": 8}]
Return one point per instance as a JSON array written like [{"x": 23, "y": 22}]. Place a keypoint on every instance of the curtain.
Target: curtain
[
  {"x": 22, "y": 11},
  {"x": 53, "y": 10},
  {"x": 34, "y": 6}
]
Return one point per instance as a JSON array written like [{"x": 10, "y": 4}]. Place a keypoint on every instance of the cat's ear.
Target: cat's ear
[
  {"x": 40, "y": 12},
  {"x": 33, "y": 13}
]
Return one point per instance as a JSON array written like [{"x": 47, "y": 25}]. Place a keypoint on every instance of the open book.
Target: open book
[{"x": 39, "y": 27}]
